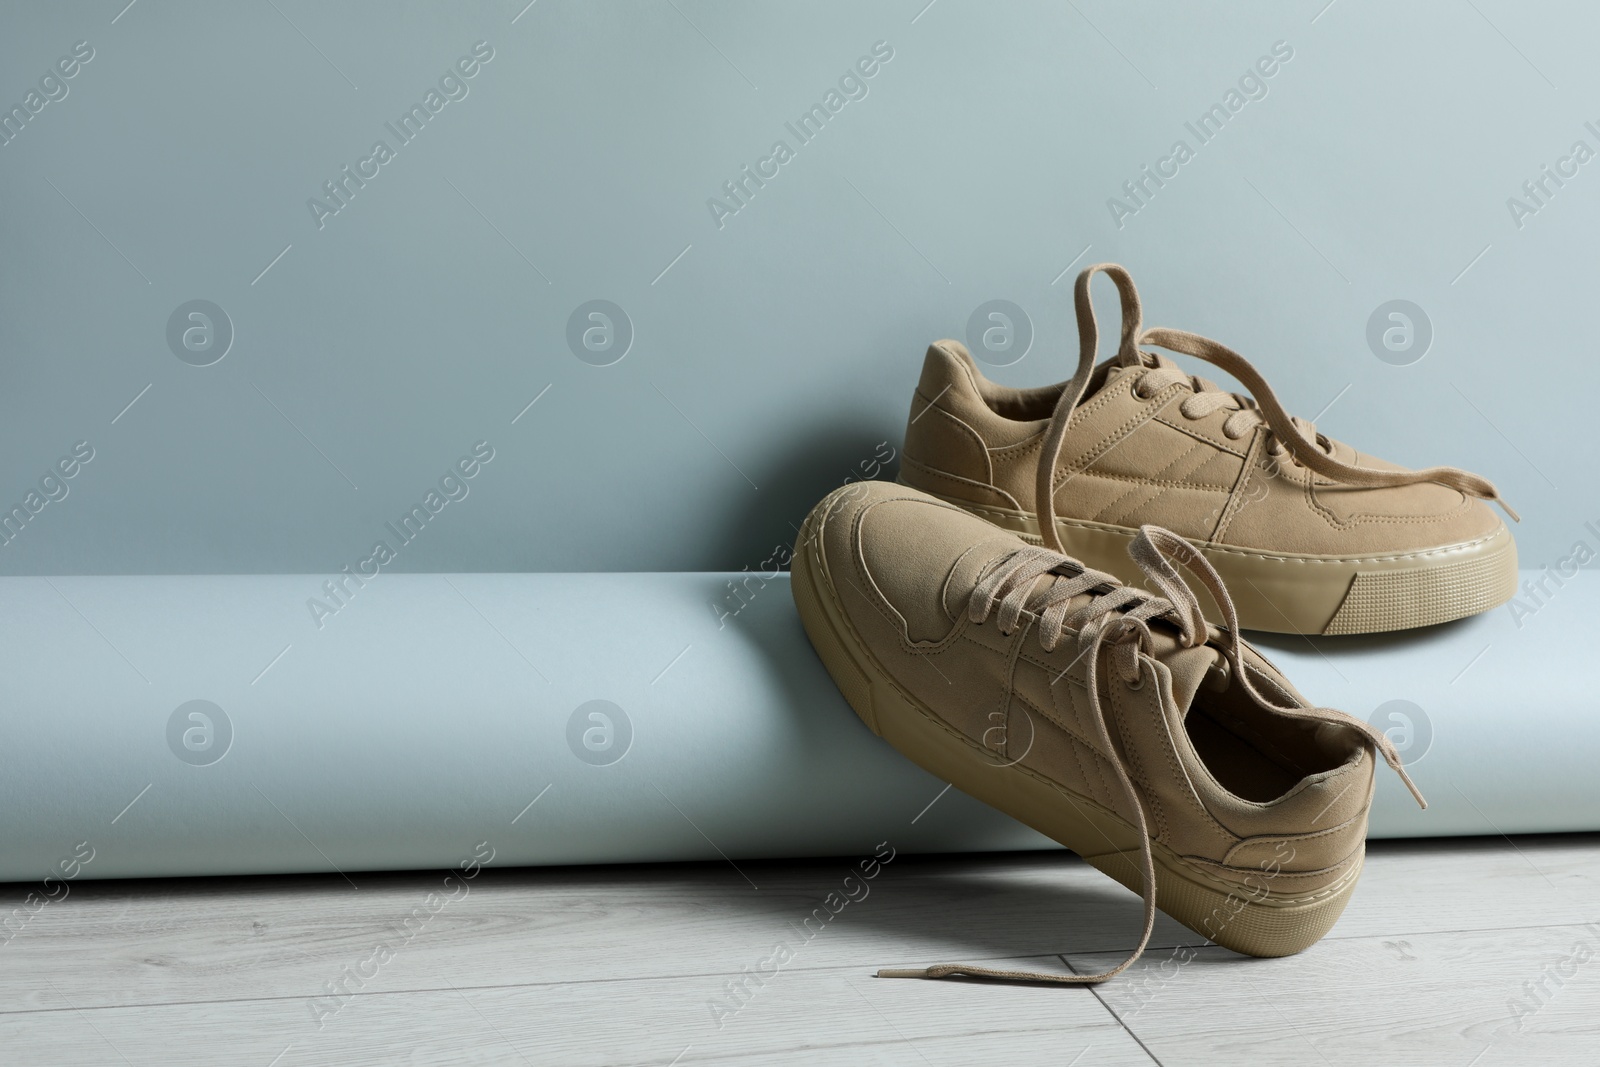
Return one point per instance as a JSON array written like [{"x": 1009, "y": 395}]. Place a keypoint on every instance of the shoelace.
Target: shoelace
[
  {"x": 1294, "y": 436},
  {"x": 1117, "y": 620}
]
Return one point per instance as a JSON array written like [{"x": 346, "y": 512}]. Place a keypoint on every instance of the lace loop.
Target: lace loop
[{"x": 1088, "y": 341}]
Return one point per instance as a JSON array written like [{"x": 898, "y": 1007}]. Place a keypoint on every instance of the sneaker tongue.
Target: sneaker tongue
[
  {"x": 1189, "y": 667},
  {"x": 1114, "y": 368}
]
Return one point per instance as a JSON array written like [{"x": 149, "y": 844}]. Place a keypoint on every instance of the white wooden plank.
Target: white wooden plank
[
  {"x": 1475, "y": 883},
  {"x": 1446, "y": 998},
  {"x": 189, "y": 940},
  {"x": 827, "y": 1016},
  {"x": 243, "y": 938}
]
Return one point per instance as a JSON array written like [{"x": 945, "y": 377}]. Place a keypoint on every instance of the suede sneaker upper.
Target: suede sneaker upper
[
  {"x": 1310, "y": 535},
  {"x": 1163, "y": 750}
]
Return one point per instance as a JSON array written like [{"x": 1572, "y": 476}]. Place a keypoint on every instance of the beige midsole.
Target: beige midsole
[
  {"x": 1246, "y": 918},
  {"x": 1289, "y": 593}
]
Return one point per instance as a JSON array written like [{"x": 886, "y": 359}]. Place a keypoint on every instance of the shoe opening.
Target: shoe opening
[
  {"x": 1260, "y": 755},
  {"x": 1035, "y": 404}
]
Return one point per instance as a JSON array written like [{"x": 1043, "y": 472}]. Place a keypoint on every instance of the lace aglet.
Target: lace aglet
[
  {"x": 1508, "y": 510},
  {"x": 1422, "y": 801},
  {"x": 903, "y": 972},
  {"x": 1386, "y": 749}
]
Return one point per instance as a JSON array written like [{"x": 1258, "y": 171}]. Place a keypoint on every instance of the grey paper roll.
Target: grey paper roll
[
  {"x": 561, "y": 718},
  {"x": 1497, "y": 716},
  {"x": 230, "y": 725}
]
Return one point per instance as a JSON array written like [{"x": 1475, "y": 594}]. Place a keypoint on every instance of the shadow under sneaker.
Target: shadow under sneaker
[
  {"x": 1164, "y": 751},
  {"x": 1311, "y": 536}
]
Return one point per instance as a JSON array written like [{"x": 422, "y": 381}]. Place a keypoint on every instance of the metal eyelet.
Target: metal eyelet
[{"x": 1137, "y": 684}]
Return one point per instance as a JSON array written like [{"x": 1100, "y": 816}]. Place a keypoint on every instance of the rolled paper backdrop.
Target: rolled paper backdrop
[{"x": 162, "y": 726}]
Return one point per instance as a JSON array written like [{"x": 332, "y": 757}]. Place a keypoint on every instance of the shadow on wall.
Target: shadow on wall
[{"x": 761, "y": 536}]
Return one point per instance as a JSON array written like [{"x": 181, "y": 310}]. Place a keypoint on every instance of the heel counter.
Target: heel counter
[
  {"x": 1322, "y": 854},
  {"x": 937, "y": 440}
]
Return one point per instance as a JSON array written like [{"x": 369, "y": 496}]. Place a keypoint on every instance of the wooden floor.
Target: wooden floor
[{"x": 1453, "y": 952}]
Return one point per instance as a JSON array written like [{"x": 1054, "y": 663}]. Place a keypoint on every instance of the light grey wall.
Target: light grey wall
[{"x": 772, "y": 353}]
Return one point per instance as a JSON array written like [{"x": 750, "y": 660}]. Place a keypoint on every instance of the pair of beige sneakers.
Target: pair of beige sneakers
[{"x": 971, "y": 618}]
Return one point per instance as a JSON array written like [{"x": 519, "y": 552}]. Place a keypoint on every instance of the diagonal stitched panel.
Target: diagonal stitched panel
[
  {"x": 1120, "y": 510},
  {"x": 1220, "y": 470}
]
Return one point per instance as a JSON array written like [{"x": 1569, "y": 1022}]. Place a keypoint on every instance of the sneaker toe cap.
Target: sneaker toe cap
[{"x": 903, "y": 556}]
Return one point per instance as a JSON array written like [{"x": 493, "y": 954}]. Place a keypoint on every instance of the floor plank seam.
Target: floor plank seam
[
  {"x": 1095, "y": 992},
  {"x": 812, "y": 970},
  {"x": 865, "y": 969}
]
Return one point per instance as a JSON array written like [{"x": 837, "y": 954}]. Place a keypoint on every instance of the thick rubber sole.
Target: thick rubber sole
[
  {"x": 1251, "y": 919},
  {"x": 1299, "y": 594}
]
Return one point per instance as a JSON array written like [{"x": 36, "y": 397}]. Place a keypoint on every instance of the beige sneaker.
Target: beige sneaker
[
  {"x": 1226, "y": 799},
  {"x": 1310, "y": 536}
]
